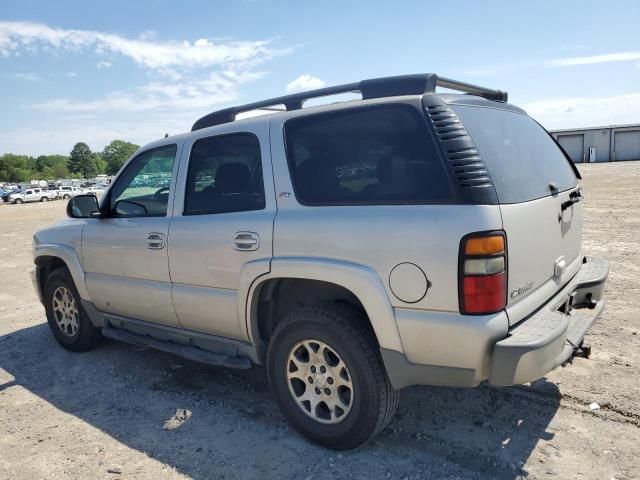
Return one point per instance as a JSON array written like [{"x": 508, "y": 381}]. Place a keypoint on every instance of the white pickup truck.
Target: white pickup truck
[
  {"x": 33, "y": 195},
  {"x": 67, "y": 192}
]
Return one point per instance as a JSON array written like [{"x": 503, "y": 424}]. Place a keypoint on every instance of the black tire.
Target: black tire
[
  {"x": 87, "y": 336},
  {"x": 44, "y": 199},
  {"x": 374, "y": 400},
  {"x": 17, "y": 201},
  {"x": 66, "y": 196}
]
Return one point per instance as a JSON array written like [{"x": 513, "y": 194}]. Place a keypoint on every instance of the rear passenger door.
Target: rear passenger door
[{"x": 221, "y": 233}]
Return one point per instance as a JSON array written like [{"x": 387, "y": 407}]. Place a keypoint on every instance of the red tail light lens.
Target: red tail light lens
[
  {"x": 484, "y": 294},
  {"x": 482, "y": 270}
]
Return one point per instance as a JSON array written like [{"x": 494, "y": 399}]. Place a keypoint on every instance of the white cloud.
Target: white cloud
[
  {"x": 579, "y": 112},
  {"x": 29, "y": 36},
  {"x": 590, "y": 60},
  {"x": 304, "y": 82},
  {"x": 190, "y": 78},
  {"x": 490, "y": 70},
  {"x": 157, "y": 96},
  {"x": 71, "y": 74},
  {"x": 31, "y": 77}
]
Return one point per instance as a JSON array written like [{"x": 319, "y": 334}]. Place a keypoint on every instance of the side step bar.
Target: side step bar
[{"x": 191, "y": 353}]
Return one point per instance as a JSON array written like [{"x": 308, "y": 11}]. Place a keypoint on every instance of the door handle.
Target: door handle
[
  {"x": 155, "y": 241},
  {"x": 246, "y": 241}
]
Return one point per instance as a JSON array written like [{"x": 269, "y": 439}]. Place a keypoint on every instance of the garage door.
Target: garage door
[
  {"x": 627, "y": 145},
  {"x": 573, "y": 145}
]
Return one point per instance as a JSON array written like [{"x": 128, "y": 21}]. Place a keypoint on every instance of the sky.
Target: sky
[{"x": 135, "y": 70}]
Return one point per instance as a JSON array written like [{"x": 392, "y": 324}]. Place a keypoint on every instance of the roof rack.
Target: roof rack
[{"x": 372, "y": 88}]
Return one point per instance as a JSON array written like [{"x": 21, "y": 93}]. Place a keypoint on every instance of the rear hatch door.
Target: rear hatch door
[{"x": 540, "y": 203}]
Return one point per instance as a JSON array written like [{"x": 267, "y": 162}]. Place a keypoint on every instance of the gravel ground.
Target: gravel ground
[{"x": 125, "y": 412}]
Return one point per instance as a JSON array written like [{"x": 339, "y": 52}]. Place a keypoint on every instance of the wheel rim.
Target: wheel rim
[
  {"x": 65, "y": 311},
  {"x": 319, "y": 381}
]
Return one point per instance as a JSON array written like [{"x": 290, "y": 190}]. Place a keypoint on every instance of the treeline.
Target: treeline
[{"x": 81, "y": 162}]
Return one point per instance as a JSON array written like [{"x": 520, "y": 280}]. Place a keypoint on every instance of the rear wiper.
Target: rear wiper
[{"x": 574, "y": 197}]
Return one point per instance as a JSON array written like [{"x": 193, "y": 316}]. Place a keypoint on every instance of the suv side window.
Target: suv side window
[
  {"x": 225, "y": 175},
  {"x": 143, "y": 188},
  {"x": 380, "y": 155}
]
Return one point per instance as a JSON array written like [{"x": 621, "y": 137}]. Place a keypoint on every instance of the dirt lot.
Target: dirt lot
[{"x": 101, "y": 414}]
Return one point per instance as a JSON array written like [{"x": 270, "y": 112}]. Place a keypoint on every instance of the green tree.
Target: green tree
[
  {"x": 116, "y": 153},
  {"x": 15, "y": 168},
  {"x": 101, "y": 164},
  {"x": 60, "y": 170},
  {"x": 82, "y": 161}
]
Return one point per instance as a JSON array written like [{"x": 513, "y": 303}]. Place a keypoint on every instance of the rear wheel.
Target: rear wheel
[
  {"x": 66, "y": 196},
  {"x": 44, "y": 199},
  {"x": 67, "y": 318},
  {"x": 328, "y": 378}
]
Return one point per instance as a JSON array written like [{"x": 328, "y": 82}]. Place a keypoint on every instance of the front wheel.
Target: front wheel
[
  {"x": 67, "y": 318},
  {"x": 17, "y": 201},
  {"x": 327, "y": 376},
  {"x": 66, "y": 196}
]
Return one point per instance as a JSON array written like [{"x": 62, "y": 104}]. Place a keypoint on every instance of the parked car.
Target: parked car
[
  {"x": 32, "y": 195},
  {"x": 5, "y": 195},
  {"x": 66, "y": 192},
  {"x": 97, "y": 190},
  {"x": 451, "y": 254}
]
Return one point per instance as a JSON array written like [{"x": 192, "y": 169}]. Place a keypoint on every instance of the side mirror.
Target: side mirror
[
  {"x": 83, "y": 206},
  {"x": 127, "y": 208}
]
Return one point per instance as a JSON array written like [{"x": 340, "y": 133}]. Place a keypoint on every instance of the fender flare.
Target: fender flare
[
  {"x": 362, "y": 281},
  {"x": 69, "y": 256}
]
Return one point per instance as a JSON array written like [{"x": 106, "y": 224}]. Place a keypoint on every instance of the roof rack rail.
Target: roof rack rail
[{"x": 372, "y": 88}]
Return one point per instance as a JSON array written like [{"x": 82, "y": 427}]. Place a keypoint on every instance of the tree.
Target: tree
[
  {"x": 116, "y": 153},
  {"x": 100, "y": 163},
  {"x": 81, "y": 160}
]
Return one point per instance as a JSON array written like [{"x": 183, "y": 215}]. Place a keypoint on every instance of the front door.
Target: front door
[
  {"x": 221, "y": 232},
  {"x": 125, "y": 253}
]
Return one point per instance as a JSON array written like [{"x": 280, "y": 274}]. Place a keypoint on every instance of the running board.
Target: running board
[{"x": 191, "y": 353}]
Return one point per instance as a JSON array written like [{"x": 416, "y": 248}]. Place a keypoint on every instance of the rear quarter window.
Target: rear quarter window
[
  {"x": 380, "y": 155},
  {"x": 521, "y": 157}
]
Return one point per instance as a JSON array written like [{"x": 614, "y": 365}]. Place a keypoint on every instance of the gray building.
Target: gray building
[{"x": 601, "y": 144}]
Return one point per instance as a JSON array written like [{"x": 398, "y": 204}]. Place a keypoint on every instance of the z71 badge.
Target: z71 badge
[{"x": 521, "y": 290}]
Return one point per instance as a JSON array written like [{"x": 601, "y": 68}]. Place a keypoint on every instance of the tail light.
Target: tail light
[{"x": 483, "y": 273}]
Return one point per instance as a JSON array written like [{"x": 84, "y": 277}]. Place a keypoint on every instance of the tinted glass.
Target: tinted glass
[
  {"x": 225, "y": 175},
  {"x": 373, "y": 155},
  {"x": 143, "y": 188},
  {"x": 521, "y": 157}
]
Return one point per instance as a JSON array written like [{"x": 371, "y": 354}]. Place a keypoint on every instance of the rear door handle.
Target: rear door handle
[
  {"x": 246, "y": 241},
  {"x": 155, "y": 241}
]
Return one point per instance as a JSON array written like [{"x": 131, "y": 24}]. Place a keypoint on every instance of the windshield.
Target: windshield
[{"x": 522, "y": 159}]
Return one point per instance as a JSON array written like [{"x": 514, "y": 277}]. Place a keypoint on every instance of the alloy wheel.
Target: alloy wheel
[{"x": 319, "y": 381}]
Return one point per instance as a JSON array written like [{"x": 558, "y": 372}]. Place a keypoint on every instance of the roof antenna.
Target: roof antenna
[{"x": 166, "y": 135}]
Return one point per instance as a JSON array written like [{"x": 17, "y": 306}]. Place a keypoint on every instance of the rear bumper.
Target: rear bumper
[
  {"x": 449, "y": 349},
  {"x": 550, "y": 337}
]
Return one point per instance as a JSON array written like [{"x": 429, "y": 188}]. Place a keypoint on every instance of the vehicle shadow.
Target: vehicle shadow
[{"x": 236, "y": 430}]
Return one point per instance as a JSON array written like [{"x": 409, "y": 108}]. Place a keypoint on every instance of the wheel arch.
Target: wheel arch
[
  {"x": 48, "y": 257},
  {"x": 329, "y": 280}
]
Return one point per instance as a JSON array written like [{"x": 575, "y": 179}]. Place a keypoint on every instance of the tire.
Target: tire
[
  {"x": 17, "y": 201},
  {"x": 44, "y": 199},
  {"x": 71, "y": 328},
  {"x": 340, "y": 334},
  {"x": 66, "y": 196}
]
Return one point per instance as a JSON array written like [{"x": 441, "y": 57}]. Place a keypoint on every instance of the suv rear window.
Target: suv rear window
[
  {"x": 371, "y": 155},
  {"x": 522, "y": 159}
]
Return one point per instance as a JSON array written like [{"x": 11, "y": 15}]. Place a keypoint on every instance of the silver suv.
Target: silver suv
[{"x": 355, "y": 248}]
